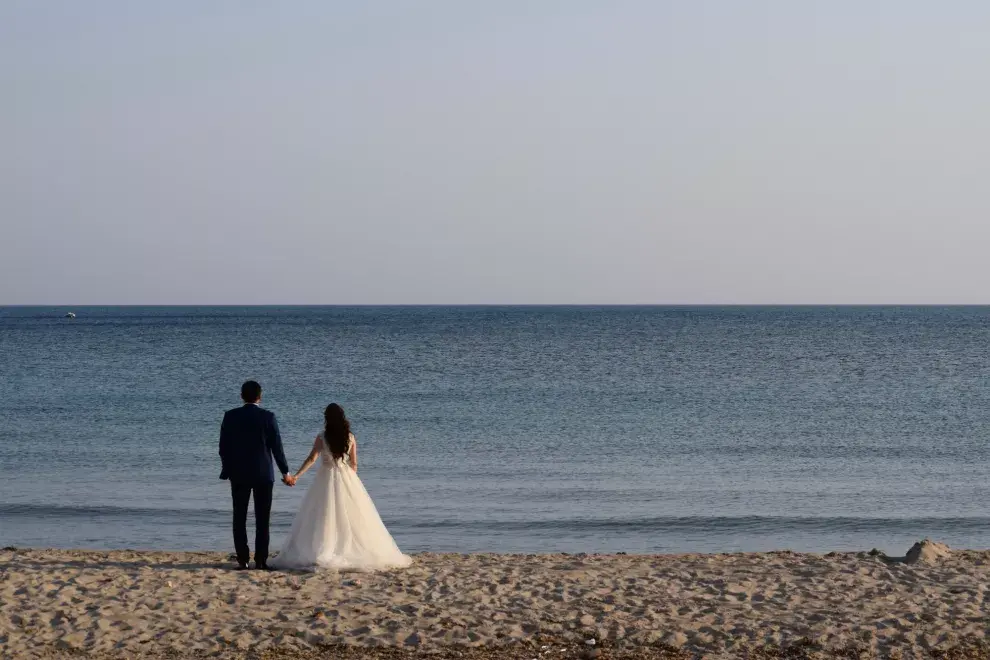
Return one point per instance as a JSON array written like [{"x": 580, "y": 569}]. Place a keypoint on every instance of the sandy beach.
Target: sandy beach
[{"x": 175, "y": 604}]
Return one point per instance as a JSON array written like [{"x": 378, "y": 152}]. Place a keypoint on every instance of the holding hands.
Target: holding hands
[{"x": 290, "y": 479}]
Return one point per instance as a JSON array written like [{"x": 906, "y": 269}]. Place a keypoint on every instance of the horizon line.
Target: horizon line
[{"x": 718, "y": 304}]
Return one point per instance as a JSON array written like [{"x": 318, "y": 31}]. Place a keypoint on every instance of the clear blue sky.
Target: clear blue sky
[{"x": 446, "y": 151}]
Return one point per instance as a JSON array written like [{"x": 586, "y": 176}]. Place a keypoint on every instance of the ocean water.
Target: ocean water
[{"x": 511, "y": 429}]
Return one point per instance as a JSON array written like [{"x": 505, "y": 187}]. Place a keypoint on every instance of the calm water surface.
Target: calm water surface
[{"x": 637, "y": 429}]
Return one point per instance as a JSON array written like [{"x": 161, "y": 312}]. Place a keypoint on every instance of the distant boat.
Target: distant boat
[{"x": 70, "y": 315}]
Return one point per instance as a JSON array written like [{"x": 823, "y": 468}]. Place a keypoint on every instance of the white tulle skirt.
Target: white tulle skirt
[{"x": 338, "y": 527}]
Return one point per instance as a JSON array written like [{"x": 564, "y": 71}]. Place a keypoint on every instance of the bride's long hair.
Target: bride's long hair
[{"x": 336, "y": 431}]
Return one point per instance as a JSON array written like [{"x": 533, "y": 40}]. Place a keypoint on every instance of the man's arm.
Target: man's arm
[
  {"x": 224, "y": 437},
  {"x": 224, "y": 445},
  {"x": 274, "y": 439}
]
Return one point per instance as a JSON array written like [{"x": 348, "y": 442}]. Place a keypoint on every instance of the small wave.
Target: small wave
[
  {"x": 49, "y": 510},
  {"x": 641, "y": 525},
  {"x": 748, "y": 524}
]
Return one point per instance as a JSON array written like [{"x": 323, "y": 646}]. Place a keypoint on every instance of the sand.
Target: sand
[{"x": 184, "y": 604}]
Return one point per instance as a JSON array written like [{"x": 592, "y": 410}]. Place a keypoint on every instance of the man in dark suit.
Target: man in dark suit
[{"x": 249, "y": 439}]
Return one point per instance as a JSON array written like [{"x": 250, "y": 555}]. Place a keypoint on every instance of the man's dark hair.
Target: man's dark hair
[{"x": 251, "y": 391}]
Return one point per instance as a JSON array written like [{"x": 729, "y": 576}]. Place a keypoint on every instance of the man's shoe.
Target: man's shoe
[
  {"x": 241, "y": 567},
  {"x": 264, "y": 567}
]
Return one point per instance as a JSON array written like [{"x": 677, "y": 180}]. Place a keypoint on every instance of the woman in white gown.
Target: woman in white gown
[{"x": 337, "y": 525}]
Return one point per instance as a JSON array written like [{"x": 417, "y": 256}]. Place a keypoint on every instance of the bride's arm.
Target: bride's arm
[
  {"x": 352, "y": 453},
  {"x": 313, "y": 455}
]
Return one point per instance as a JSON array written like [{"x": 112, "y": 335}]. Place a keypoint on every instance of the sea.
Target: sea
[{"x": 511, "y": 429}]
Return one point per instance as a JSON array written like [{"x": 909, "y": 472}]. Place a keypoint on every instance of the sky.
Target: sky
[{"x": 511, "y": 152}]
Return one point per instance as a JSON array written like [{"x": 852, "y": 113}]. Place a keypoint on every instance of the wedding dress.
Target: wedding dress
[{"x": 337, "y": 525}]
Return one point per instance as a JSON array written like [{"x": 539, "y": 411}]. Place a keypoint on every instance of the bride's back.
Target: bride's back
[
  {"x": 337, "y": 438},
  {"x": 328, "y": 458}
]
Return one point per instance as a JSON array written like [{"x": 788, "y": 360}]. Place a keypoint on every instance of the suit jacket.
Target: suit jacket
[{"x": 249, "y": 439}]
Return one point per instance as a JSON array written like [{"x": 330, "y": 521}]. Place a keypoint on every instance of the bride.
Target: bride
[{"x": 337, "y": 525}]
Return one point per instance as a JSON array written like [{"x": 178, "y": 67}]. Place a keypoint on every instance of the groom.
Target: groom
[{"x": 249, "y": 438}]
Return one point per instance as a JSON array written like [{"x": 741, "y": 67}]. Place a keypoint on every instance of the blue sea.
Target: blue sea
[{"x": 511, "y": 429}]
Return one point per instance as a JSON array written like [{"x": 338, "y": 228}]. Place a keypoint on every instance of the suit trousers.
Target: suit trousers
[{"x": 241, "y": 494}]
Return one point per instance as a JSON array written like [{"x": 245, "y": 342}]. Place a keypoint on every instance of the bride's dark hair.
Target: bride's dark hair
[{"x": 336, "y": 431}]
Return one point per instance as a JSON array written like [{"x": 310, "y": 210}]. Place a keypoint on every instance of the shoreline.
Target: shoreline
[{"x": 127, "y": 603}]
